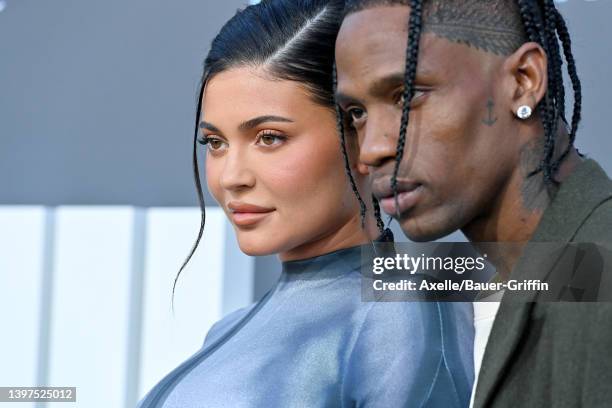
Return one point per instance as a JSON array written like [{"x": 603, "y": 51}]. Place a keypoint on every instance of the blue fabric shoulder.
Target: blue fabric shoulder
[{"x": 420, "y": 357}]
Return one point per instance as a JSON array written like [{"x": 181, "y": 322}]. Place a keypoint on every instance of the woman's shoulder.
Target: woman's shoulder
[{"x": 221, "y": 327}]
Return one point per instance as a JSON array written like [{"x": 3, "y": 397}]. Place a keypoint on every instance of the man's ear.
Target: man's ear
[{"x": 528, "y": 76}]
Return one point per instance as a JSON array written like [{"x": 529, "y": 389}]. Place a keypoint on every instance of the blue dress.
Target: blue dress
[{"x": 311, "y": 342}]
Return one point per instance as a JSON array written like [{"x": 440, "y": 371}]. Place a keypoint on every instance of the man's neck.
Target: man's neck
[{"x": 517, "y": 212}]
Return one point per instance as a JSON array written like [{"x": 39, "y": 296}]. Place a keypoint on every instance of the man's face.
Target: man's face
[{"x": 457, "y": 160}]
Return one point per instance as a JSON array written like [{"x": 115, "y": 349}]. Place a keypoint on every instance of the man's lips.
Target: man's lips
[
  {"x": 244, "y": 214},
  {"x": 408, "y": 192}
]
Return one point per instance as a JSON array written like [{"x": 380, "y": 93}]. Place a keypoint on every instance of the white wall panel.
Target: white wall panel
[
  {"x": 90, "y": 303},
  {"x": 22, "y": 248},
  {"x": 85, "y": 296},
  {"x": 238, "y": 276},
  {"x": 169, "y": 339}
]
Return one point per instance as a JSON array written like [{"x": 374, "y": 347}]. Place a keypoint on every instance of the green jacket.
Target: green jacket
[{"x": 551, "y": 354}]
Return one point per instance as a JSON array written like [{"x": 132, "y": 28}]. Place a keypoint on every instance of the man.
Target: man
[{"x": 459, "y": 108}]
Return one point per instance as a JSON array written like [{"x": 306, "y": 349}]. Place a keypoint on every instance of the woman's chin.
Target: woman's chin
[{"x": 257, "y": 248}]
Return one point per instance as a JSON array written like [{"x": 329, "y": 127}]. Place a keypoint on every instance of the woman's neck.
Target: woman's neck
[{"x": 348, "y": 235}]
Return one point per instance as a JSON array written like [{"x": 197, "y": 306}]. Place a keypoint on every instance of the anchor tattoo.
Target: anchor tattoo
[{"x": 490, "y": 120}]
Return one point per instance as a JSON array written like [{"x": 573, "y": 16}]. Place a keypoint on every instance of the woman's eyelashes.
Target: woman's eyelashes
[
  {"x": 214, "y": 144},
  {"x": 265, "y": 139},
  {"x": 270, "y": 138}
]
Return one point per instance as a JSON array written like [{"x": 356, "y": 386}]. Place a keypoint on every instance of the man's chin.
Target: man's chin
[{"x": 417, "y": 232}]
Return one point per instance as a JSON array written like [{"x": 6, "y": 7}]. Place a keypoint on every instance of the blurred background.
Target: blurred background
[{"x": 97, "y": 202}]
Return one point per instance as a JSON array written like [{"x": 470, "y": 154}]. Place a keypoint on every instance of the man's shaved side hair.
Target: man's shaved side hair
[{"x": 494, "y": 26}]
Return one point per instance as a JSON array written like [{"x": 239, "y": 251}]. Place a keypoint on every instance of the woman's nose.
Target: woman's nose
[{"x": 236, "y": 173}]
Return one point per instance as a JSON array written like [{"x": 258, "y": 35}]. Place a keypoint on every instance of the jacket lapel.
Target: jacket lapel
[{"x": 586, "y": 188}]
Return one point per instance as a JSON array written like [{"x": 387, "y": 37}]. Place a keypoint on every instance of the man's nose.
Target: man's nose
[{"x": 378, "y": 145}]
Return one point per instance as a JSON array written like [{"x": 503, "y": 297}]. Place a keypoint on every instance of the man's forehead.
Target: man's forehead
[
  {"x": 375, "y": 54},
  {"x": 369, "y": 22},
  {"x": 372, "y": 44},
  {"x": 363, "y": 48},
  {"x": 493, "y": 26}
]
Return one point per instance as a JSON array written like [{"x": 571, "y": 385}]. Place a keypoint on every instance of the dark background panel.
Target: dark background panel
[{"x": 97, "y": 99}]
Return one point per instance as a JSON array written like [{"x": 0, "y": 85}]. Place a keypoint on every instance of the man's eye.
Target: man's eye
[
  {"x": 356, "y": 115},
  {"x": 399, "y": 99}
]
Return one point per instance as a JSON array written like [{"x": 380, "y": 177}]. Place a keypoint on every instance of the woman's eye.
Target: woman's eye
[
  {"x": 213, "y": 143},
  {"x": 269, "y": 139}
]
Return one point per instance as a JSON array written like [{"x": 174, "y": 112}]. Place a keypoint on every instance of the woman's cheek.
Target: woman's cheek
[
  {"x": 291, "y": 174},
  {"x": 213, "y": 181}
]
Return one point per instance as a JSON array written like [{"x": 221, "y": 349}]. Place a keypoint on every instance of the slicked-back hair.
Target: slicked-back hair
[
  {"x": 291, "y": 40},
  {"x": 500, "y": 27}
]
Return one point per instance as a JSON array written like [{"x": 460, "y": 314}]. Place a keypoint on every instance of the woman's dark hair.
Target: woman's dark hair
[
  {"x": 291, "y": 40},
  {"x": 539, "y": 21}
]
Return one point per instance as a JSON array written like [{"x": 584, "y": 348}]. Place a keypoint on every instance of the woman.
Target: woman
[{"x": 275, "y": 165}]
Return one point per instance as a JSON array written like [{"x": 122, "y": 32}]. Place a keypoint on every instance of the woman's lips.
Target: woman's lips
[
  {"x": 244, "y": 214},
  {"x": 405, "y": 199},
  {"x": 244, "y": 219}
]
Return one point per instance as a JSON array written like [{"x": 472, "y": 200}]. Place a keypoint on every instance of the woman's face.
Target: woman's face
[{"x": 274, "y": 164}]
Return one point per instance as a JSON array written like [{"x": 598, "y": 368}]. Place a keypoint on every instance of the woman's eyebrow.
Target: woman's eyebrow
[
  {"x": 209, "y": 126},
  {"x": 251, "y": 123}
]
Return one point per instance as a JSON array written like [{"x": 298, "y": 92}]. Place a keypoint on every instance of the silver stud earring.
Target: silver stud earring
[{"x": 524, "y": 112}]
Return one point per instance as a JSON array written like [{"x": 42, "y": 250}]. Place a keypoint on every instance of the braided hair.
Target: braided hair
[
  {"x": 541, "y": 22},
  {"x": 347, "y": 164}
]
